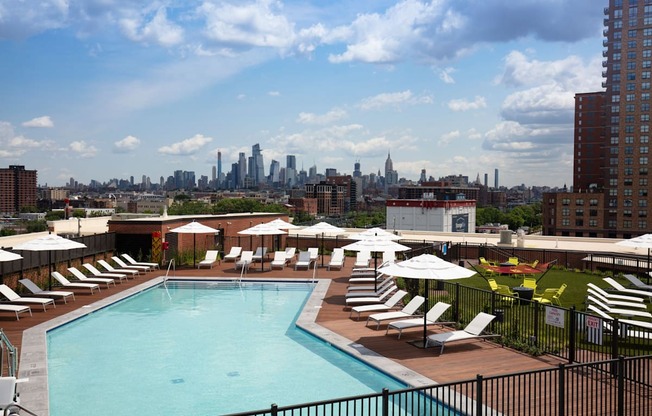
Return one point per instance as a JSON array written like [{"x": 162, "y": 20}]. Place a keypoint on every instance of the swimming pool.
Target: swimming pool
[{"x": 201, "y": 348}]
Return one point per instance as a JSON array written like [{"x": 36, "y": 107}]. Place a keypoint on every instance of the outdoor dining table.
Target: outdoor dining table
[{"x": 525, "y": 294}]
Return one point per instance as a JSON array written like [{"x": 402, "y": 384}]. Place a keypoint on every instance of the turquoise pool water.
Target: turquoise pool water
[{"x": 202, "y": 349}]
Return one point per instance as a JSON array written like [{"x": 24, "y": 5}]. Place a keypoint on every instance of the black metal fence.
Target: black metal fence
[
  {"x": 536, "y": 329},
  {"x": 610, "y": 387}
]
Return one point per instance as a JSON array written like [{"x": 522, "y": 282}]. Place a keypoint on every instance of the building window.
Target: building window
[
  {"x": 642, "y": 192},
  {"x": 645, "y": 85},
  {"x": 628, "y": 171},
  {"x": 579, "y": 222},
  {"x": 647, "y": 53},
  {"x": 628, "y": 182},
  {"x": 628, "y": 161},
  {"x": 615, "y": 98},
  {"x": 565, "y": 212},
  {"x": 614, "y": 140},
  {"x": 627, "y": 192},
  {"x": 593, "y": 202},
  {"x": 642, "y": 171},
  {"x": 579, "y": 201},
  {"x": 629, "y": 150},
  {"x": 565, "y": 201},
  {"x": 579, "y": 212},
  {"x": 642, "y": 161},
  {"x": 629, "y": 139},
  {"x": 642, "y": 213},
  {"x": 630, "y": 97},
  {"x": 643, "y": 149},
  {"x": 593, "y": 212},
  {"x": 642, "y": 202},
  {"x": 644, "y": 139},
  {"x": 627, "y": 224},
  {"x": 645, "y": 117},
  {"x": 645, "y": 96},
  {"x": 646, "y": 74},
  {"x": 642, "y": 224},
  {"x": 642, "y": 182},
  {"x": 645, "y": 128},
  {"x": 627, "y": 213},
  {"x": 613, "y": 192}
]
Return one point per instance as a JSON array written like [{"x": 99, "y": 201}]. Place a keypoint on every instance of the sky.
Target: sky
[{"x": 102, "y": 89}]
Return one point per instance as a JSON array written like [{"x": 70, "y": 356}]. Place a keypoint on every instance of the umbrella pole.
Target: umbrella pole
[
  {"x": 194, "y": 250},
  {"x": 425, "y": 308},
  {"x": 322, "y": 249},
  {"x": 262, "y": 257},
  {"x": 49, "y": 269},
  {"x": 375, "y": 272}
]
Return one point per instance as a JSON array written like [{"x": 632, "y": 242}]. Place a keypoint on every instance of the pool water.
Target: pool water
[{"x": 202, "y": 348}]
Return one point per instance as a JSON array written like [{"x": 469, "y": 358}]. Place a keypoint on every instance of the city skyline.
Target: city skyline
[{"x": 96, "y": 91}]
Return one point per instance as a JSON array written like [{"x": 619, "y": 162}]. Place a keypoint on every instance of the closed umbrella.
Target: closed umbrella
[
  {"x": 50, "y": 243},
  {"x": 262, "y": 230},
  {"x": 323, "y": 228},
  {"x": 194, "y": 228},
  {"x": 376, "y": 245},
  {"x": 427, "y": 267}
]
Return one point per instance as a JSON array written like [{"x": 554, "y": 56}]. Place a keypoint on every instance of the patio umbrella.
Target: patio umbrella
[
  {"x": 642, "y": 241},
  {"x": 282, "y": 225},
  {"x": 49, "y": 243},
  {"x": 376, "y": 245},
  {"x": 323, "y": 228},
  {"x": 262, "y": 230},
  {"x": 194, "y": 228},
  {"x": 7, "y": 256},
  {"x": 374, "y": 233},
  {"x": 427, "y": 267}
]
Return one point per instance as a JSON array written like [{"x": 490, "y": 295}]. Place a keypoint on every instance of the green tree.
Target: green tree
[
  {"x": 189, "y": 208},
  {"x": 54, "y": 215},
  {"x": 36, "y": 226}
]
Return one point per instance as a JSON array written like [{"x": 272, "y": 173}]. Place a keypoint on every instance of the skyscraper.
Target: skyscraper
[
  {"x": 628, "y": 64},
  {"x": 219, "y": 169},
  {"x": 17, "y": 189},
  {"x": 258, "y": 169},
  {"x": 242, "y": 170},
  {"x": 356, "y": 169},
  {"x": 290, "y": 170},
  {"x": 495, "y": 178}
]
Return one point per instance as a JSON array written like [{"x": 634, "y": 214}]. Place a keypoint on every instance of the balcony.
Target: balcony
[
  {"x": 605, "y": 32},
  {"x": 604, "y": 64},
  {"x": 605, "y": 54},
  {"x": 605, "y": 43},
  {"x": 606, "y": 22},
  {"x": 604, "y": 74},
  {"x": 606, "y": 11}
]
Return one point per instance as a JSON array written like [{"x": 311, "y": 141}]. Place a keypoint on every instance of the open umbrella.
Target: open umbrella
[
  {"x": 282, "y": 225},
  {"x": 194, "y": 228},
  {"x": 642, "y": 241},
  {"x": 262, "y": 230},
  {"x": 376, "y": 245},
  {"x": 7, "y": 256},
  {"x": 374, "y": 233},
  {"x": 427, "y": 267},
  {"x": 323, "y": 228},
  {"x": 49, "y": 243}
]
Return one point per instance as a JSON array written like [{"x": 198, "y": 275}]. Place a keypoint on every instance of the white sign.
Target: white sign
[
  {"x": 593, "y": 327},
  {"x": 555, "y": 316}
]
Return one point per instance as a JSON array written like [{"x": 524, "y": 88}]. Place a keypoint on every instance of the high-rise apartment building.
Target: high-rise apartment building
[
  {"x": 612, "y": 132},
  {"x": 218, "y": 175},
  {"x": 258, "y": 170},
  {"x": 17, "y": 189}
]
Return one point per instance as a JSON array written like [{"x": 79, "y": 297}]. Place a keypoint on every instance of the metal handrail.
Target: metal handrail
[{"x": 12, "y": 354}]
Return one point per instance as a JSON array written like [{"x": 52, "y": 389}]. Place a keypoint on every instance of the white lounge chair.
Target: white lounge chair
[
  {"x": 17, "y": 309},
  {"x": 9, "y": 400},
  {"x": 370, "y": 287},
  {"x": 123, "y": 265},
  {"x": 96, "y": 273},
  {"x": 616, "y": 303},
  {"x": 303, "y": 260},
  {"x": 259, "y": 254},
  {"x": 337, "y": 259},
  {"x": 389, "y": 305},
  {"x": 83, "y": 278},
  {"x": 611, "y": 295},
  {"x": 279, "y": 260},
  {"x": 314, "y": 253},
  {"x": 290, "y": 252},
  {"x": 617, "y": 311},
  {"x": 209, "y": 260},
  {"x": 246, "y": 258},
  {"x": 637, "y": 282},
  {"x": 111, "y": 269},
  {"x": 372, "y": 292},
  {"x": 389, "y": 257},
  {"x": 234, "y": 254},
  {"x": 14, "y": 297},
  {"x": 362, "y": 260},
  {"x": 474, "y": 330},
  {"x": 622, "y": 290},
  {"x": 368, "y": 300},
  {"x": 55, "y": 294},
  {"x": 432, "y": 318},
  {"x": 133, "y": 262},
  {"x": 407, "y": 311},
  {"x": 367, "y": 279},
  {"x": 75, "y": 285}
]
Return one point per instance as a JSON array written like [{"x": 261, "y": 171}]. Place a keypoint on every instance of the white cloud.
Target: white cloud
[
  {"x": 327, "y": 118},
  {"x": 83, "y": 149},
  {"x": 255, "y": 24},
  {"x": 465, "y": 105},
  {"x": 449, "y": 137},
  {"x": 393, "y": 99},
  {"x": 446, "y": 75},
  {"x": 186, "y": 147},
  {"x": 23, "y": 143},
  {"x": 44, "y": 121},
  {"x": 274, "y": 93},
  {"x": 127, "y": 144},
  {"x": 158, "y": 30}
]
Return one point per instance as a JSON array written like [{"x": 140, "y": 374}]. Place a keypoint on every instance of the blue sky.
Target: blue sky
[{"x": 97, "y": 89}]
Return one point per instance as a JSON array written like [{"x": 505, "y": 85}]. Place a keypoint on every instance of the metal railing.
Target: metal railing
[
  {"x": 610, "y": 387},
  {"x": 9, "y": 352}
]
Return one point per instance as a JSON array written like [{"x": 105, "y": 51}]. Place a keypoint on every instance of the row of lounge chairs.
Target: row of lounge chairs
[
  {"x": 17, "y": 304},
  {"x": 382, "y": 306}
]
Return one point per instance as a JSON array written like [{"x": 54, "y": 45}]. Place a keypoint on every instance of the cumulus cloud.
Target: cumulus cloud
[
  {"x": 465, "y": 105},
  {"x": 44, "y": 121},
  {"x": 186, "y": 147},
  {"x": 127, "y": 144},
  {"x": 83, "y": 149},
  {"x": 446, "y": 75},
  {"x": 393, "y": 99},
  {"x": 158, "y": 29},
  {"x": 447, "y": 138},
  {"x": 257, "y": 24},
  {"x": 327, "y": 118},
  {"x": 274, "y": 93}
]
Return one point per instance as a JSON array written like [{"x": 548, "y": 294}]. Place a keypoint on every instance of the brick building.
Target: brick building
[{"x": 17, "y": 189}]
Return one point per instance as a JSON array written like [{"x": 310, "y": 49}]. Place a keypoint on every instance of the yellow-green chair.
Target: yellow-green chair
[
  {"x": 484, "y": 261},
  {"x": 492, "y": 284},
  {"x": 506, "y": 294},
  {"x": 530, "y": 282},
  {"x": 513, "y": 260},
  {"x": 551, "y": 296}
]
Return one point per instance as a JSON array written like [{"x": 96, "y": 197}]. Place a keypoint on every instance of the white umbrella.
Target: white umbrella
[
  {"x": 9, "y": 256},
  {"x": 376, "y": 245},
  {"x": 282, "y": 225},
  {"x": 194, "y": 228},
  {"x": 323, "y": 228},
  {"x": 49, "y": 243},
  {"x": 374, "y": 233},
  {"x": 262, "y": 230},
  {"x": 427, "y": 267},
  {"x": 642, "y": 241}
]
